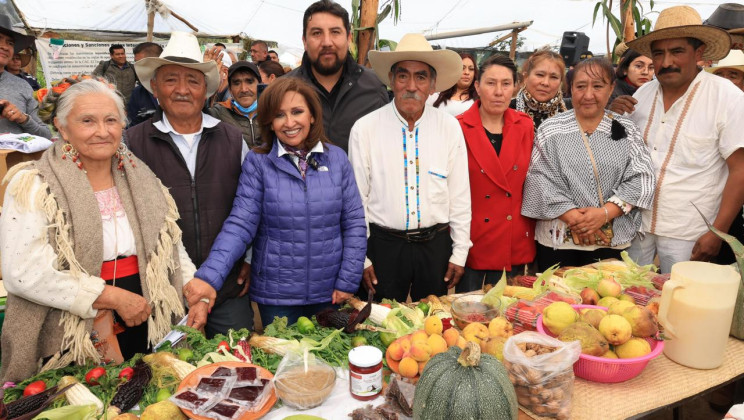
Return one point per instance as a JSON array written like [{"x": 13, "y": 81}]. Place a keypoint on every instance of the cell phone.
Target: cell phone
[{"x": 260, "y": 89}]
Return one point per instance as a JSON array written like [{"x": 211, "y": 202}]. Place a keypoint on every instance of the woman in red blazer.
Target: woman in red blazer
[{"x": 499, "y": 142}]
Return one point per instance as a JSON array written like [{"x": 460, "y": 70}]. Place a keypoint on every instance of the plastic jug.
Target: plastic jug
[{"x": 697, "y": 306}]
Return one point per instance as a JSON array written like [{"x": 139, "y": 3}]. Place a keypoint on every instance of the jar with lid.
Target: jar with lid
[{"x": 365, "y": 372}]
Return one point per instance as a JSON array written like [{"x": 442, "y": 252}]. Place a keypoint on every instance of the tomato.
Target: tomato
[
  {"x": 424, "y": 307},
  {"x": 162, "y": 395},
  {"x": 92, "y": 376},
  {"x": 224, "y": 344},
  {"x": 185, "y": 354},
  {"x": 34, "y": 388},
  {"x": 358, "y": 340},
  {"x": 126, "y": 373},
  {"x": 387, "y": 305},
  {"x": 304, "y": 325}
]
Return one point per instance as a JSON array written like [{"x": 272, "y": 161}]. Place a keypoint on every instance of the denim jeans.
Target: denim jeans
[{"x": 670, "y": 250}]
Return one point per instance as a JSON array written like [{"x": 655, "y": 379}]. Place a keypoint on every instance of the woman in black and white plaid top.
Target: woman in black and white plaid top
[{"x": 575, "y": 227}]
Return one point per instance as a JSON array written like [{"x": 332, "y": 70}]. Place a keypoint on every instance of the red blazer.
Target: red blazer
[{"x": 501, "y": 236}]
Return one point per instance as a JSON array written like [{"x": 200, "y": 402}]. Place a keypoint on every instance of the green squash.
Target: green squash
[{"x": 464, "y": 385}]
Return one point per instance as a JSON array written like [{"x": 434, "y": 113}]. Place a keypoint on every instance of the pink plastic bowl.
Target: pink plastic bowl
[{"x": 600, "y": 369}]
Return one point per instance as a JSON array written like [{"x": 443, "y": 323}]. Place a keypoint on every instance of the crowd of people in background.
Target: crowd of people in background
[{"x": 429, "y": 170}]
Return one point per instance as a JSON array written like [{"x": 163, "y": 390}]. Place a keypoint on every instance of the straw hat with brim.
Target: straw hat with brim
[
  {"x": 182, "y": 50},
  {"x": 22, "y": 41},
  {"x": 685, "y": 22},
  {"x": 414, "y": 47},
  {"x": 735, "y": 60}
]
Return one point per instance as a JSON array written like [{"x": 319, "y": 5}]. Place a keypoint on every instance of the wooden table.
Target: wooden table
[{"x": 663, "y": 383}]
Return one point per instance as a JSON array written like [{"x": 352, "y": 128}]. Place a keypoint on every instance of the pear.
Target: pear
[
  {"x": 635, "y": 347},
  {"x": 589, "y": 296},
  {"x": 617, "y": 308},
  {"x": 559, "y": 315},
  {"x": 615, "y": 329},
  {"x": 609, "y": 287},
  {"x": 592, "y": 316},
  {"x": 642, "y": 321},
  {"x": 627, "y": 297},
  {"x": 610, "y": 355},
  {"x": 607, "y": 301},
  {"x": 592, "y": 342}
]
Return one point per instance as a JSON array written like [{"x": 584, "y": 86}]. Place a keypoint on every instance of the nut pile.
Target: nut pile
[{"x": 546, "y": 393}]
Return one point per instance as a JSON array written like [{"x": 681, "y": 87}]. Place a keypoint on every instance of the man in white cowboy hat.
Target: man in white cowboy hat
[
  {"x": 199, "y": 159},
  {"x": 18, "y": 108},
  {"x": 692, "y": 124},
  {"x": 411, "y": 167},
  {"x": 731, "y": 68}
]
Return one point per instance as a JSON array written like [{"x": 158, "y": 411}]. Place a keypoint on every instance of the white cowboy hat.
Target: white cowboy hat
[
  {"x": 685, "y": 22},
  {"x": 182, "y": 50},
  {"x": 414, "y": 47},
  {"x": 735, "y": 60}
]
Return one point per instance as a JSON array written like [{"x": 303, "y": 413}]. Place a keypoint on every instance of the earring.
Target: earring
[
  {"x": 122, "y": 152},
  {"x": 70, "y": 152}
]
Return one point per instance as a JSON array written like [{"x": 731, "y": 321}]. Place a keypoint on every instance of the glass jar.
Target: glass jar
[{"x": 365, "y": 372}]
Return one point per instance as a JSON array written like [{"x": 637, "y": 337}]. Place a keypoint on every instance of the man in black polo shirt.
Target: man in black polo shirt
[{"x": 347, "y": 90}]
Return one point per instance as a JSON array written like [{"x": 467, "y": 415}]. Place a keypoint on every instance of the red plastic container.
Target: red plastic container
[{"x": 600, "y": 369}]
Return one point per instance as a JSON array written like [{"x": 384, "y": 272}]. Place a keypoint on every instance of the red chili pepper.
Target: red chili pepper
[
  {"x": 34, "y": 388},
  {"x": 126, "y": 373},
  {"x": 92, "y": 376}
]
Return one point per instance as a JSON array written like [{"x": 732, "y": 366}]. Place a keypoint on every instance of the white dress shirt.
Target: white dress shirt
[
  {"x": 413, "y": 179},
  {"x": 711, "y": 130},
  {"x": 30, "y": 264}
]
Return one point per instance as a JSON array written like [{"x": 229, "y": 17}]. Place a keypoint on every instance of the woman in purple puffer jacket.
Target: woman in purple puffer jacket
[{"x": 299, "y": 207}]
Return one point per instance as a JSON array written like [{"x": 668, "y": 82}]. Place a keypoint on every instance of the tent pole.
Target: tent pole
[
  {"x": 23, "y": 19},
  {"x": 150, "y": 25}
]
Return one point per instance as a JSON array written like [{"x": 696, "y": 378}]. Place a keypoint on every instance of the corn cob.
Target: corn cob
[
  {"x": 28, "y": 407},
  {"x": 130, "y": 392},
  {"x": 269, "y": 344},
  {"x": 79, "y": 394},
  {"x": 171, "y": 362},
  {"x": 378, "y": 314}
]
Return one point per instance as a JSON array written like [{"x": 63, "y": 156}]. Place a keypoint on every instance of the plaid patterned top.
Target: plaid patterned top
[{"x": 561, "y": 177}]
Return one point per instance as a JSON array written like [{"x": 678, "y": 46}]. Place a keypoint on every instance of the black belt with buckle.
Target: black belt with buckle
[{"x": 412, "y": 235}]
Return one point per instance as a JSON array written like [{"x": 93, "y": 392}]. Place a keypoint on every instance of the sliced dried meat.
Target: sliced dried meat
[
  {"x": 366, "y": 413},
  {"x": 246, "y": 393},
  {"x": 223, "y": 371},
  {"x": 217, "y": 386},
  {"x": 246, "y": 374}
]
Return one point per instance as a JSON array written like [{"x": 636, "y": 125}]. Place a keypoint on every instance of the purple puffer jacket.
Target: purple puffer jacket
[{"x": 309, "y": 236}]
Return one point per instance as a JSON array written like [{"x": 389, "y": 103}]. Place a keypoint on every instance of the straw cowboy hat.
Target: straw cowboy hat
[
  {"x": 685, "y": 22},
  {"x": 21, "y": 40},
  {"x": 182, "y": 50},
  {"x": 735, "y": 60},
  {"x": 414, "y": 47}
]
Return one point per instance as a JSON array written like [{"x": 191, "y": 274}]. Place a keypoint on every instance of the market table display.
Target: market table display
[{"x": 421, "y": 344}]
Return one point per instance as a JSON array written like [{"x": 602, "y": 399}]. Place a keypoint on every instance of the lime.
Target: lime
[
  {"x": 185, "y": 354},
  {"x": 387, "y": 338},
  {"x": 304, "y": 325},
  {"x": 424, "y": 307},
  {"x": 358, "y": 340},
  {"x": 162, "y": 395}
]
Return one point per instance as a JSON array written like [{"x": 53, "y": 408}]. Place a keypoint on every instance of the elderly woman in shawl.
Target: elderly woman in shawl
[{"x": 92, "y": 256}]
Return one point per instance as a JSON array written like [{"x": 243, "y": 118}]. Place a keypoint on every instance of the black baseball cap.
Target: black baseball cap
[{"x": 243, "y": 65}]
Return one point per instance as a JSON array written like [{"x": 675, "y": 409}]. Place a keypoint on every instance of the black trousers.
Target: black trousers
[
  {"x": 547, "y": 256},
  {"x": 402, "y": 266}
]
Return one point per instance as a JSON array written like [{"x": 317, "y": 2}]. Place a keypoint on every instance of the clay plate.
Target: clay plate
[{"x": 193, "y": 378}]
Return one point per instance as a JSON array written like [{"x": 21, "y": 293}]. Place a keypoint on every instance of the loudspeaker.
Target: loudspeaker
[{"x": 573, "y": 45}]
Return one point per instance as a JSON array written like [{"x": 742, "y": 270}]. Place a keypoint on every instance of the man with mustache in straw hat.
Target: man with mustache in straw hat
[
  {"x": 411, "y": 167},
  {"x": 199, "y": 159},
  {"x": 691, "y": 122}
]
